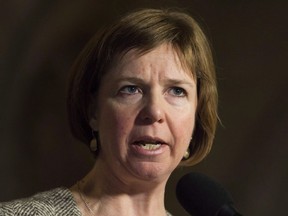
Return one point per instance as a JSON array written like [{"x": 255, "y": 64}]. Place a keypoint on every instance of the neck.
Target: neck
[{"x": 108, "y": 195}]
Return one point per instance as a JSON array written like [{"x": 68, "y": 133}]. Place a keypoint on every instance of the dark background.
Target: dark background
[{"x": 39, "y": 41}]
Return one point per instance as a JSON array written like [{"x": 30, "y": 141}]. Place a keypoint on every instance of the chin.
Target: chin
[{"x": 151, "y": 171}]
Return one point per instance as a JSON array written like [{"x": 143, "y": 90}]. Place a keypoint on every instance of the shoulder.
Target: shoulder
[{"x": 58, "y": 201}]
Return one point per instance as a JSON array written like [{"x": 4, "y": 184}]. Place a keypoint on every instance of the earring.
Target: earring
[
  {"x": 187, "y": 154},
  {"x": 93, "y": 144}
]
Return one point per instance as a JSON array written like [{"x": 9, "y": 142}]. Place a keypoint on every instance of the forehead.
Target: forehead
[{"x": 163, "y": 57}]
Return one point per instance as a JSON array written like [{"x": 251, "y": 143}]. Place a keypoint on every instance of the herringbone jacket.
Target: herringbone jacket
[{"x": 56, "y": 202}]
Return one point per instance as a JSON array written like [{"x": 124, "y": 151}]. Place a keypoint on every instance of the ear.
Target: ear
[
  {"x": 93, "y": 122},
  {"x": 92, "y": 112}
]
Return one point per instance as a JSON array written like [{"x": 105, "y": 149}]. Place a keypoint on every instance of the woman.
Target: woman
[{"x": 143, "y": 96}]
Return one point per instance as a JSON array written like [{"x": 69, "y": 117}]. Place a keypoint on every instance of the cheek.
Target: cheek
[
  {"x": 115, "y": 122},
  {"x": 183, "y": 119},
  {"x": 123, "y": 125},
  {"x": 183, "y": 127}
]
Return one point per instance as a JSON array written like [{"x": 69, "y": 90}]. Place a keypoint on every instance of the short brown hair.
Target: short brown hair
[{"x": 144, "y": 30}]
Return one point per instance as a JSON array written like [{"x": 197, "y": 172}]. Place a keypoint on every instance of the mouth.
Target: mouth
[
  {"x": 149, "y": 143},
  {"x": 149, "y": 146}
]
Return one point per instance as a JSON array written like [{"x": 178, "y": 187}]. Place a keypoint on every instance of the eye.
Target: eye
[
  {"x": 177, "y": 91},
  {"x": 131, "y": 89}
]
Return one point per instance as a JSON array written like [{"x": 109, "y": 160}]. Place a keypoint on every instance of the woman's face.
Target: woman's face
[{"x": 145, "y": 114}]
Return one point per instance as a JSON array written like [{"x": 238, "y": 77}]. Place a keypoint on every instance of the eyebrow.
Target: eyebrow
[
  {"x": 180, "y": 81},
  {"x": 170, "y": 81}
]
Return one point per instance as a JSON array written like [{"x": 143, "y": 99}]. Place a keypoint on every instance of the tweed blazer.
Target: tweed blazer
[{"x": 56, "y": 202}]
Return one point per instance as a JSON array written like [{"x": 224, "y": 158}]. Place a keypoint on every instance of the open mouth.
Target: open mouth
[{"x": 149, "y": 144}]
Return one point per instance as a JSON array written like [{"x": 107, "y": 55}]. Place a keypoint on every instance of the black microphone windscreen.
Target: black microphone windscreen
[{"x": 200, "y": 195}]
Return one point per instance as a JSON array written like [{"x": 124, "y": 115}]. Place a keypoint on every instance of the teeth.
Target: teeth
[{"x": 150, "y": 146}]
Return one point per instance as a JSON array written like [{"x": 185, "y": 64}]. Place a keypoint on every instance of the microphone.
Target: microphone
[{"x": 199, "y": 195}]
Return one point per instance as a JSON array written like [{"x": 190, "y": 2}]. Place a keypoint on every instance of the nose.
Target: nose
[{"x": 152, "y": 111}]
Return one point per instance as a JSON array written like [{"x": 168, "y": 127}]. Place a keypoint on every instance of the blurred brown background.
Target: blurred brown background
[{"x": 39, "y": 41}]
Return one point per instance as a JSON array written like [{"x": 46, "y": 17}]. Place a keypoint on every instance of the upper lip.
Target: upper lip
[{"x": 148, "y": 139}]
